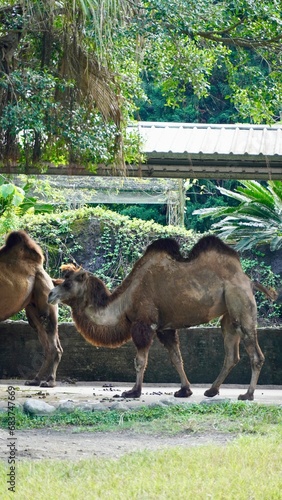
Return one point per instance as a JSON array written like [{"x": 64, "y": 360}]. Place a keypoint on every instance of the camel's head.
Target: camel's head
[{"x": 70, "y": 287}]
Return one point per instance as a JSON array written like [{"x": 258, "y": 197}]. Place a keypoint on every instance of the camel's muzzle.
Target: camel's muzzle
[{"x": 52, "y": 297}]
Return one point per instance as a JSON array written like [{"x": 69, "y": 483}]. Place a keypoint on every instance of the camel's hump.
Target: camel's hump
[
  {"x": 168, "y": 245},
  {"x": 21, "y": 237},
  {"x": 211, "y": 242},
  {"x": 205, "y": 244}
]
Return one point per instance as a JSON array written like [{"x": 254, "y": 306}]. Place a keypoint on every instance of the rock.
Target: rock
[
  {"x": 85, "y": 406},
  {"x": 156, "y": 404},
  {"x": 66, "y": 406},
  {"x": 4, "y": 406},
  {"x": 99, "y": 407},
  {"x": 38, "y": 407},
  {"x": 171, "y": 401},
  {"x": 215, "y": 401},
  {"x": 118, "y": 406}
]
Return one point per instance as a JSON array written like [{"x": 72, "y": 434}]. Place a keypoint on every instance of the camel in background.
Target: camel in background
[
  {"x": 163, "y": 293},
  {"x": 24, "y": 284}
]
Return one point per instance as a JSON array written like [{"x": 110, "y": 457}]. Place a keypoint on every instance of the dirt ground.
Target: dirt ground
[
  {"x": 40, "y": 444},
  {"x": 71, "y": 444}
]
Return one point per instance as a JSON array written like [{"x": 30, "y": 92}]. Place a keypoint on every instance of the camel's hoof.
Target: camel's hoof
[
  {"x": 48, "y": 384},
  {"x": 184, "y": 392},
  {"x": 246, "y": 397},
  {"x": 210, "y": 393},
  {"x": 32, "y": 382},
  {"x": 131, "y": 394}
]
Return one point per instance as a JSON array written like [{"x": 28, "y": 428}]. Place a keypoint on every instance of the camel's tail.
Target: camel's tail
[{"x": 269, "y": 292}]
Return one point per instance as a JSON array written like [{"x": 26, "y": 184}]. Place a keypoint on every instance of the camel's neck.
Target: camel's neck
[
  {"x": 101, "y": 327},
  {"x": 101, "y": 316}
]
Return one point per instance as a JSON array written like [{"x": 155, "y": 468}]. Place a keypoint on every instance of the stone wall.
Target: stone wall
[{"x": 202, "y": 350}]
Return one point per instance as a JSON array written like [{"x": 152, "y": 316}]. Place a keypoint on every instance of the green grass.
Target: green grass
[
  {"x": 238, "y": 417},
  {"x": 247, "y": 468}
]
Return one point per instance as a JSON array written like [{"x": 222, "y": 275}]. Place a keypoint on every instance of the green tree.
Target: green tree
[
  {"x": 256, "y": 219},
  {"x": 16, "y": 201},
  {"x": 186, "y": 43},
  {"x": 60, "y": 100},
  {"x": 71, "y": 72}
]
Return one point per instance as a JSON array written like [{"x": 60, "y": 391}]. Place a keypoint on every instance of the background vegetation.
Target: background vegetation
[{"x": 72, "y": 74}]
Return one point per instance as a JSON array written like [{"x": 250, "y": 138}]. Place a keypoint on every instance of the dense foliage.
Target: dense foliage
[
  {"x": 73, "y": 73},
  {"x": 218, "y": 62}
]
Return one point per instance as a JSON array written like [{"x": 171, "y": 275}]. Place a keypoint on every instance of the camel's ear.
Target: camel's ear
[
  {"x": 81, "y": 276},
  {"x": 69, "y": 267},
  {"x": 57, "y": 281}
]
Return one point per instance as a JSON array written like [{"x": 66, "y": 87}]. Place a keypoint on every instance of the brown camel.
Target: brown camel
[
  {"x": 26, "y": 285},
  {"x": 165, "y": 292}
]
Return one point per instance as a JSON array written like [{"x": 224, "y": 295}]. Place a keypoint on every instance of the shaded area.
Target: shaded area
[{"x": 202, "y": 350}]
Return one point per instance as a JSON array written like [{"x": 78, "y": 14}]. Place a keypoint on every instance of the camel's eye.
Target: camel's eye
[
  {"x": 80, "y": 277},
  {"x": 67, "y": 285}
]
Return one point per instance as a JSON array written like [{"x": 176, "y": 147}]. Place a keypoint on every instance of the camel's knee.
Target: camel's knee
[
  {"x": 140, "y": 362},
  {"x": 256, "y": 357},
  {"x": 258, "y": 363},
  {"x": 253, "y": 349},
  {"x": 57, "y": 352},
  {"x": 231, "y": 347}
]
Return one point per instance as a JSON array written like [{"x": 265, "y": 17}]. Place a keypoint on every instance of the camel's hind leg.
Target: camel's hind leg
[
  {"x": 244, "y": 320},
  {"x": 47, "y": 329},
  {"x": 43, "y": 317},
  {"x": 257, "y": 359},
  {"x": 170, "y": 340},
  {"x": 240, "y": 323},
  {"x": 231, "y": 346}
]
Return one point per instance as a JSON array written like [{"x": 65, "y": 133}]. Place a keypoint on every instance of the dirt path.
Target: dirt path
[
  {"x": 40, "y": 444},
  {"x": 73, "y": 445}
]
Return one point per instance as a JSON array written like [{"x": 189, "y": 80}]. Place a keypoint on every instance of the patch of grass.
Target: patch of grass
[
  {"x": 237, "y": 417},
  {"x": 247, "y": 468}
]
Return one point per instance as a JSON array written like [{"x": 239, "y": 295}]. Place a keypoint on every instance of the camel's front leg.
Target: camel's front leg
[
  {"x": 170, "y": 340},
  {"x": 142, "y": 336}
]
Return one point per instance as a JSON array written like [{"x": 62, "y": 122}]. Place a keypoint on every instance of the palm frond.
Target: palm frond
[
  {"x": 257, "y": 219},
  {"x": 256, "y": 192},
  {"x": 213, "y": 212},
  {"x": 276, "y": 187},
  {"x": 233, "y": 194}
]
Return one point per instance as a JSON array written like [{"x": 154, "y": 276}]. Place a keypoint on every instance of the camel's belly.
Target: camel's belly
[{"x": 191, "y": 309}]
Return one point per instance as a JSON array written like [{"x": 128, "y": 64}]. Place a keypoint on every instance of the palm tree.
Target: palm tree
[
  {"x": 69, "y": 40},
  {"x": 255, "y": 220}
]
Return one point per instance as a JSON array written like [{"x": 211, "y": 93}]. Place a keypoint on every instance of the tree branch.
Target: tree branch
[{"x": 240, "y": 42}]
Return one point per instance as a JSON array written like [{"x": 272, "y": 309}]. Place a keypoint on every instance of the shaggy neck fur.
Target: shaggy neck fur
[
  {"x": 102, "y": 336},
  {"x": 102, "y": 323}
]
